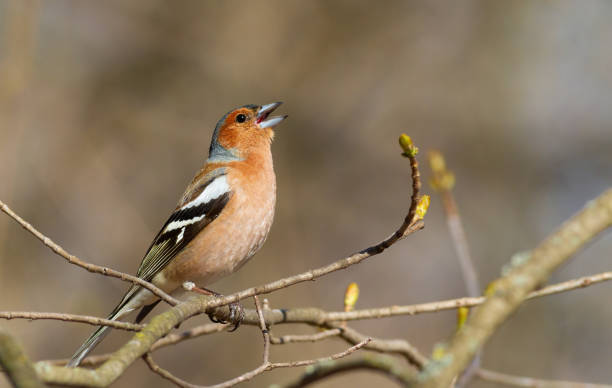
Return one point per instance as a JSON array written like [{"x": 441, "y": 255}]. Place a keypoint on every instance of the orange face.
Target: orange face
[
  {"x": 241, "y": 131},
  {"x": 245, "y": 129}
]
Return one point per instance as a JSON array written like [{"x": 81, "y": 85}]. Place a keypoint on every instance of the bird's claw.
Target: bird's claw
[{"x": 236, "y": 315}]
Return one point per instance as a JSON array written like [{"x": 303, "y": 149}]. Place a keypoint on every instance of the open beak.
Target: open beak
[{"x": 269, "y": 122}]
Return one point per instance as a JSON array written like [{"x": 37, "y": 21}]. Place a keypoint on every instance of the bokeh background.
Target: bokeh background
[{"x": 107, "y": 109}]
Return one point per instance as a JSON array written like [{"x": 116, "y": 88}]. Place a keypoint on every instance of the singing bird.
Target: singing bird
[{"x": 221, "y": 220}]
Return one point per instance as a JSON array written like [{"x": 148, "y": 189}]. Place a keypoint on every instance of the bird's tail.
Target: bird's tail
[
  {"x": 88, "y": 345},
  {"x": 98, "y": 335}
]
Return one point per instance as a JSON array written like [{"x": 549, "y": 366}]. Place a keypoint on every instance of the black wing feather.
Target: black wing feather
[{"x": 168, "y": 243}]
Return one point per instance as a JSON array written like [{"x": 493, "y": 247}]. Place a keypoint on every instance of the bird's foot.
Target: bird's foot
[{"x": 236, "y": 315}]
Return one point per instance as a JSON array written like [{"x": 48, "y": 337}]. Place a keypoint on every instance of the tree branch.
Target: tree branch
[
  {"x": 16, "y": 364},
  {"x": 296, "y": 338},
  {"x": 390, "y": 346},
  {"x": 88, "y": 266},
  {"x": 70, "y": 318},
  {"x": 511, "y": 290}
]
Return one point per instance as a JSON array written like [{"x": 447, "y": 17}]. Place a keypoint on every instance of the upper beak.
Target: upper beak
[{"x": 264, "y": 112}]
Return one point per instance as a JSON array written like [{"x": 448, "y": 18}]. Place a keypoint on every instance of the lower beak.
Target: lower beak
[{"x": 269, "y": 122}]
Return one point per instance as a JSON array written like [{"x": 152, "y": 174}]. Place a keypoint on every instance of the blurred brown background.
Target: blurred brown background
[{"x": 107, "y": 109}]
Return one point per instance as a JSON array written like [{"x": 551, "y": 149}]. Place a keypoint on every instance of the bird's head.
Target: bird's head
[{"x": 242, "y": 131}]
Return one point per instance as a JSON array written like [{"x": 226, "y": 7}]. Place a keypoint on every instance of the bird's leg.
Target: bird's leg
[{"x": 236, "y": 310}]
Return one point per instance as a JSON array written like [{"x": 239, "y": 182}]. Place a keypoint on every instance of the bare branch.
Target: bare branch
[
  {"x": 292, "y": 338},
  {"x": 571, "y": 285},
  {"x": 88, "y": 266},
  {"x": 378, "y": 363},
  {"x": 452, "y": 304},
  {"x": 322, "y": 359},
  {"x": 70, "y": 318},
  {"x": 508, "y": 292},
  {"x": 397, "y": 346},
  {"x": 155, "y": 368},
  {"x": 521, "y": 381},
  {"x": 443, "y": 182},
  {"x": 264, "y": 331}
]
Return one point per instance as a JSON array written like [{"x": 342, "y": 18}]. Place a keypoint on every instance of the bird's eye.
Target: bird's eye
[{"x": 241, "y": 118}]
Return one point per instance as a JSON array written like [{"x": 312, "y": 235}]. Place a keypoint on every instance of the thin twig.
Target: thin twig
[
  {"x": 452, "y": 304},
  {"x": 397, "y": 346},
  {"x": 529, "y": 382},
  {"x": 335, "y": 356},
  {"x": 568, "y": 285},
  {"x": 455, "y": 226},
  {"x": 416, "y": 188},
  {"x": 264, "y": 331},
  {"x": 155, "y": 368},
  {"x": 293, "y": 338},
  {"x": 443, "y": 181},
  {"x": 88, "y": 266},
  {"x": 70, "y": 318}
]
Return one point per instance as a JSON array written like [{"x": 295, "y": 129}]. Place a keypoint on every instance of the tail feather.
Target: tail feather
[
  {"x": 101, "y": 332},
  {"x": 88, "y": 346}
]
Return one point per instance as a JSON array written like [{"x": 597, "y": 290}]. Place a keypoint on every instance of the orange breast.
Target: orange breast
[{"x": 237, "y": 234}]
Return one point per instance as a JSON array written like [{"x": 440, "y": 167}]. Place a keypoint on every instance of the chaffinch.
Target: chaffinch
[{"x": 221, "y": 220}]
